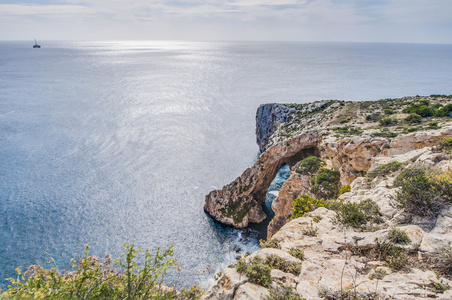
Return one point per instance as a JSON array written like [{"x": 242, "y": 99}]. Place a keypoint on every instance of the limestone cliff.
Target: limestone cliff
[
  {"x": 345, "y": 134},
  {"x": 401, "y": 253}
]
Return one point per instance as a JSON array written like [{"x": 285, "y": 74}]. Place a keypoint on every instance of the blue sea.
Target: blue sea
[{"x": 108, "y": 143}]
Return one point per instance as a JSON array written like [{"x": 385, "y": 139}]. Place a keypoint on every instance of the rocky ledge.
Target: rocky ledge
[{"x": 366, "y": 212}]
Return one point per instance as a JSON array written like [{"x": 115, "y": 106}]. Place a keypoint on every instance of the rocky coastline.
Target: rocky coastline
[{"x": 363, "y": 149}]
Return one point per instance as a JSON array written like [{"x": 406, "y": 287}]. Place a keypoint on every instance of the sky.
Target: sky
[{"x": 405, "y": 21}]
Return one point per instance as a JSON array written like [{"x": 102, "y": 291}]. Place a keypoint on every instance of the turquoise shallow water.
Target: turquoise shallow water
[{"x": 112, "y": 143}]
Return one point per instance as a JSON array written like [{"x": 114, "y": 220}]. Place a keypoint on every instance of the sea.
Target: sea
[{"x": 113, "y": 143}]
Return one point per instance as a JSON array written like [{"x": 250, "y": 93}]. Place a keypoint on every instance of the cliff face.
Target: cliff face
[{"x": 268, "y": 116}]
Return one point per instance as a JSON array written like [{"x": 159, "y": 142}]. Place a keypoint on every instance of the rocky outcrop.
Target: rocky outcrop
[
  {"x": 268, "y": 116},
  {"x": 282, "y": 205},
  {"x": 288, "y": 133}
]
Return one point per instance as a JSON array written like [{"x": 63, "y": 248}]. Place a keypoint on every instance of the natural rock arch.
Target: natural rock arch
[{"x": 240, "y": 202}]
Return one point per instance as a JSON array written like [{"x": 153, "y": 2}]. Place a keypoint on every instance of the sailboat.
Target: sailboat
[{"x": 36, "y": 45}]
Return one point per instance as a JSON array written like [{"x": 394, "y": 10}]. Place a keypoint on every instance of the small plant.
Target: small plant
[
  {"x": 384, "y": 170},
  {"x": 346, "y": 120},
  {"x": 336, "y": 295},
  {"x": 357, "y": 214},
  {"x": 344, "y": 189},
  {"x": 347, "y": 130},
  {"x": 304, "y": 204},
  {"x": 440, "y": 287},
  {"x": 281, "y": 292},
  {"x": 271, "y": 243},
  {"x": 309, "y": 165},
  {"x": 316, "y": 219},
  {"x": 445, "y": 145},
  {"x": 389, "y": 111},
  {"x": 296, "y": 252},
  {"x": 325, "y": 184},
  {"x": 397, "y": 236},
  {"x": 373, "y": 117},
  {"x": 413, "y": 118},
  {"x": 256, "y": 270},
  {"x": 444, "y": 264},
  {"x": 388, "y": 121},
  {"x": 276, "y": 262},
  {"x": 378, "y": 274},
  {"x": 433, "y": 125},
  {"x": 394, "y": 255},
  {"x": 310, "y": 230}
]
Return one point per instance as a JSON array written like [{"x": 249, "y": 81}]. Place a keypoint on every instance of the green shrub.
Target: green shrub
[
  {"x": 337, "y": 295},
  {"x": 394, "y": 255},
  {"x": 444, "y": 111},
  {"x": 357, "y": 214},
  {"x": 259, "y": 270},
  {"x": 281, "y": 292},
  {"x": 406, "y": 174},
  {"x": 276, "y": 262},
  {"x": 389, "y": 111},
  {"x": 413, "y": 118},
  {"x": 385, "y": 134},
  {"x": 304, "y": 204},
  {"x": 388, "y": 121},
  {"x": 271, "y": 243},
  {"x": 373, "y": 117},
  {"x": 344, "y": 189},
  {"x": 296, "y": 252},
  {"x": 89, "y": 278},
  {"x": 384, "y": 170},
  {"x": 443, "y": 184},
  {"x": 444, "y": 264},
  {"x": 256, "y": 270},
  {"x": 309, "y": 165},
  {"x": 440, "y": 287},
  {"x": 397, "y": 236},
  {"x": 346, "y": 120},
  {"x": 310, "y": 230},
  {"x": 433, "y": 125},
  {"x": 325, "y": 184},
  {"x": 445, "y": 145},
  {"x": 418, "y": 194},
  {"x": 421, "y": 108},
  {"x": 347, "y": 130}
]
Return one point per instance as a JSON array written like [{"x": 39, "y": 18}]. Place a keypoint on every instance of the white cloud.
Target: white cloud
[
  {"x": 353, "y": 20},
  {"x": 18, "y": 9}
]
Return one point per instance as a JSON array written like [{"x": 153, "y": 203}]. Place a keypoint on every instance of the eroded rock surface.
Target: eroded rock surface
[{"x": 340, "y": 258}]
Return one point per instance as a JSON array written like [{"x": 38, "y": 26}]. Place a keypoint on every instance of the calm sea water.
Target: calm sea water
[{"x": 113, "y": 143}]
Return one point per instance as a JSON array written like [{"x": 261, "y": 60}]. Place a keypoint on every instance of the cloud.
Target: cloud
[
  {"x": 39, "y": 10},
  {"x": 354, "y": 20}
]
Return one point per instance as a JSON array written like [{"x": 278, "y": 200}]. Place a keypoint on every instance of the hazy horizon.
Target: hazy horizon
[{"x": 387, "y": 21}]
